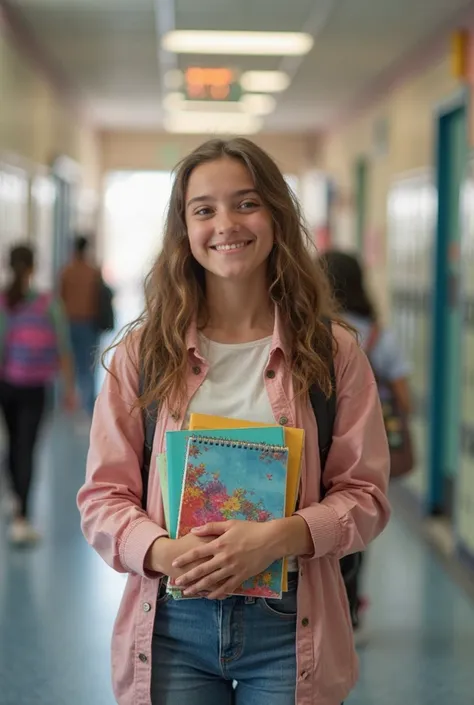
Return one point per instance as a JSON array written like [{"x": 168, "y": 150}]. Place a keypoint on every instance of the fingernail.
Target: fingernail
[{"x": 178, "y": 581}]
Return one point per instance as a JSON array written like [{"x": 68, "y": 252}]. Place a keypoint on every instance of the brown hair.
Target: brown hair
[{"x": 175, "y": 288}]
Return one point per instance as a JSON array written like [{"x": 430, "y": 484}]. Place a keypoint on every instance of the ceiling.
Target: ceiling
[{"x": 109, "y": 49}]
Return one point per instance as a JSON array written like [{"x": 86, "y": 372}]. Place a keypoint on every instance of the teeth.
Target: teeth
[{"x": 234, "y": 246}]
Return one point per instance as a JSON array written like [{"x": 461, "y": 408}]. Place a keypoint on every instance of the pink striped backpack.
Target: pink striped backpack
[{"x": 30, "y": 347}]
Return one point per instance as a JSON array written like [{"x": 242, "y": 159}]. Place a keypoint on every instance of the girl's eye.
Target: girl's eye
[
  {"x": 205, "y": 210},
  {"x": 248, "y": 204}
]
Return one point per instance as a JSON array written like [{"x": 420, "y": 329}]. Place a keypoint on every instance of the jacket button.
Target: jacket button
[
  {"x": 197, "y": 370},
  {"x": 283, "y": 420},
  {"x": 146, "y": 607},
  {"x": 305, "y": 621},
  {"x": 143, "y": 658},
  {"x": 271, "y": 374}
]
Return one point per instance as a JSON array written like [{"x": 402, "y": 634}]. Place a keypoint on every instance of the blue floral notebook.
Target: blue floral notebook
[
  {"x": 177, "y": 450},
  {"x": 228, "y": 479}
]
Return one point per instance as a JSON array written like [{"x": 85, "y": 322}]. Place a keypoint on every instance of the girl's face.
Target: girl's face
[{"x": 230, "y": 229}]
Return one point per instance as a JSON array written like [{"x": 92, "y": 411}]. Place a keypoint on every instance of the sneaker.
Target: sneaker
[{"x": 22, "y": 533}]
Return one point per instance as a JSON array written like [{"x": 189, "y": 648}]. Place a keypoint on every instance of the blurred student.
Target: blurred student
[
  {"x": 84, "y": 295},
  {"x": 34, "y": 348},
  {"x": 390, "y": 368}
]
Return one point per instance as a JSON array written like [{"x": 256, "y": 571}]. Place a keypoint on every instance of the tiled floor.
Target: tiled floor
[{"x": 57, "y": 606}]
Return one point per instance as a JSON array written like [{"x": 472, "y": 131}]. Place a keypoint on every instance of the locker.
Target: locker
[
  {"x": 411, "y": 228},
  {"x": 465, "y": 493},
  {"x": 43, "y": 194}
]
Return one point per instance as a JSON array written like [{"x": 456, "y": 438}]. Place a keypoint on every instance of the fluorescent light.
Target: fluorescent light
[
  {"x": 256, "y": 104},
  {"x": 212, "y": 123},
  {"x": 173, "y": 101},
  {"x": 241, "y": 43},
  {"x": 251, "y": 104},
  {"x": 264, "y": 81}
]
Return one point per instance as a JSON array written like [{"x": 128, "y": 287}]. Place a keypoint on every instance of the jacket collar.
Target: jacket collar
[{"x": 279, "y": 341}]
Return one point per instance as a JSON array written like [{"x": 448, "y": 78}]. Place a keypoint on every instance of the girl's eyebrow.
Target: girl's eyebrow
[{"x": 201, "y": 199}]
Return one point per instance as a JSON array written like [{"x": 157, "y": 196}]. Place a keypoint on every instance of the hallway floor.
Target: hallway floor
[{"x": 58, "y": 602}]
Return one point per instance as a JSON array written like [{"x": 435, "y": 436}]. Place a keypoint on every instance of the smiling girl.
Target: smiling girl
[{"x": 234, "y": 326}]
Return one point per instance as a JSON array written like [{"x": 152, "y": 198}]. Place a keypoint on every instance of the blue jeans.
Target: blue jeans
[
  {"x": 84, "y": 339},
  {"x": 201, "y": 646}
]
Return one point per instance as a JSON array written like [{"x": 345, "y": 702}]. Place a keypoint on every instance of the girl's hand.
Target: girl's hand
[
  {"x": 241, "y": 550},
  {"x": 165, "y": 551}
]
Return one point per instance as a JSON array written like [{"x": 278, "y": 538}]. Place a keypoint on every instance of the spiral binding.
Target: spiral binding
[{"x": 230, "y": 443}]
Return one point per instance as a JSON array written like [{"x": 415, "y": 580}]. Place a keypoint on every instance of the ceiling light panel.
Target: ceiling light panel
[
  {"x": 237, "y": 43},
  {"x": 264, "y": 81},
  {"x": 212, "y": 123}
]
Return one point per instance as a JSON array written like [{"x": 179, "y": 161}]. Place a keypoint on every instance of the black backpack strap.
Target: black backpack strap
[
  {"x": 150, "y": 415},
  {"x": 324, "y": 409}
]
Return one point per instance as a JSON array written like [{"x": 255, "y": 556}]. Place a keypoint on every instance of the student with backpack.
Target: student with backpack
[
  {"x": 235, "y": 325},
  {"x": 391, "y": 371},
  {"x": 34, "y": 348}
]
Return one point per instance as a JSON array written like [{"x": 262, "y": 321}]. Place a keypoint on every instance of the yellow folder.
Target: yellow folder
[{"x": 294, "y": 439}]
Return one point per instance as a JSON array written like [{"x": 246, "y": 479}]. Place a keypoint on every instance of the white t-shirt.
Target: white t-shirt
[{"x": 235, "y": 385}]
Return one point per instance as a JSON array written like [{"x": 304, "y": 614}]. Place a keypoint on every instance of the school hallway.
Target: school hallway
[{"x": 58, "y": 602}]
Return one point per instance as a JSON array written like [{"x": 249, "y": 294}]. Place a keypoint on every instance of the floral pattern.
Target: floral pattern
[{"x": 241, "y": 482}]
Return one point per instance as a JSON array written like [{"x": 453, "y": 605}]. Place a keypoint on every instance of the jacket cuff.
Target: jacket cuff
[
  {"x": 325, "y": 529},
  {"x": 134, "y": 549}
]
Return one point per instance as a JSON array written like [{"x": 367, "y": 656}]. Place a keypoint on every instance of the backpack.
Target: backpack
[
  {"x": 105, "y": 311},
  {"x": 324, "y": 409},
  {"x": 30, "y": 346},
  {"x": 402, "y": 456}
]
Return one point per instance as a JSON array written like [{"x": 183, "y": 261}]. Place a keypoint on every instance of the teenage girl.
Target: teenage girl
[
  {"x": 233, "y": 326},
  {"x": 34, "y": 347}
]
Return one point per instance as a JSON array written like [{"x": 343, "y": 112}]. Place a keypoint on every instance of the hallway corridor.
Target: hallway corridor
[{"x": 58, "y": 602}]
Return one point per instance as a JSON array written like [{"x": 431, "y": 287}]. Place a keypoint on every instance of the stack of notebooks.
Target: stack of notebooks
[{"x": 222, "y": 469}]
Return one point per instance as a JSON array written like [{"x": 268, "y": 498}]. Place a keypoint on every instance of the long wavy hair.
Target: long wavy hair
[{"x": 175, "y": 289}]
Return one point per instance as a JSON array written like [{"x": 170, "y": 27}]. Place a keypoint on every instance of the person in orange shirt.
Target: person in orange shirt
[{"x": 80, "y": 290}]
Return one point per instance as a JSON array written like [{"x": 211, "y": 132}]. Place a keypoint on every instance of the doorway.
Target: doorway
[{"x": 448, "y": 313}]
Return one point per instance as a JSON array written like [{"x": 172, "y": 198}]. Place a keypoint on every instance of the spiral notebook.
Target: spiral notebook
[
  {"x": 294, "y": 440},
  {"x": 227, "y": 479},
  {"x": 177, "y": 449}
]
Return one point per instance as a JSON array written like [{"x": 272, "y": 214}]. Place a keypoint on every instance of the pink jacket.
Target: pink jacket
[{"x": 354, "y": 511}]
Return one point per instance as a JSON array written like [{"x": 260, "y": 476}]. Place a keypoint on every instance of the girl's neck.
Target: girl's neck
[{"x": 239, "y": 312}]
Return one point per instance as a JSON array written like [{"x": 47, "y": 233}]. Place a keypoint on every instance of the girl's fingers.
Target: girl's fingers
[{"x": 208, "y": 584}]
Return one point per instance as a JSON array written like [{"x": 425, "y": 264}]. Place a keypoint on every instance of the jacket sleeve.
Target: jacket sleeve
[
  {"x": 112, "y": 518},
  {"x": 355, "y": 508}
]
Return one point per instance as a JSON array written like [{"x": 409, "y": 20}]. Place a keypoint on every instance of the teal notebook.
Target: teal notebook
[
  {"x": 176, "y": 451},
  {"x": 161, "y": 465},
  {"x": 235, "y": 480}
]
